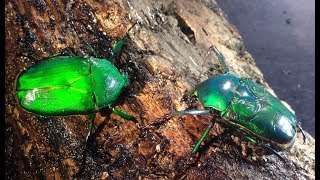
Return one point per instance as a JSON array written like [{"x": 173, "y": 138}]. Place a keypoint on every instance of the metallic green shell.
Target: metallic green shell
[
  {"x": 69, "y": 85},
  {"x": 249, "y": 106}
]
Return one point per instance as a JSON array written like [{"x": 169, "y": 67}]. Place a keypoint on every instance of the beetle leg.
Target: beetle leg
[
  {"x": 205, "y": 133},
  {"x": 90, "y": 48},
  {"x": 220, "y": 58},
  {"x": 116, "y": 47},
  {"x": 91, "y": 117},
  {"x": 197, "y": 112},
  {"x": 64, "y": 52},
  {"x": 265, "y": 147},
  {"x": 193, "y": 112},
  {"x": 124, "y": 115},
  {"x": 304, "y": 135}
]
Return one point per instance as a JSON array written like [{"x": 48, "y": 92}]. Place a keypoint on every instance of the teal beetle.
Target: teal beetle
[
  {"x": 68, "y": 85},
  {"x": 248, "y": 107}
]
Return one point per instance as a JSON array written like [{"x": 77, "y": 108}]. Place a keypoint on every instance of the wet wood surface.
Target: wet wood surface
[{"x": 165, "y": 58}]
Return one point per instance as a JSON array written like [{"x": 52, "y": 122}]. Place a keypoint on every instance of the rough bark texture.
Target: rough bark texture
[{"x": 165, "y": 58}]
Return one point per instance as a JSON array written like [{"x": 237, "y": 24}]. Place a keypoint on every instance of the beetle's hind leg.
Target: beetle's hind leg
[
  {"x": 304, "y": 135},
  {"x": 268, "y": 148}
]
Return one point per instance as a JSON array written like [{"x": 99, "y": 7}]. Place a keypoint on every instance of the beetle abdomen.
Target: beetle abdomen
[
  {"x": 262, "y": 114},
  {"x": 69, "y": 85}
]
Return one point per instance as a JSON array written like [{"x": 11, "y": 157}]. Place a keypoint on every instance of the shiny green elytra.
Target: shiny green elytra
[
  {"x": 248, "y": 107},
  {"x": 67, "y": 85}
]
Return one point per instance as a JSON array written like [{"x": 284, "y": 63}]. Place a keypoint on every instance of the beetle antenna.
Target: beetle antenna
[{"x": 220, "y": 58}]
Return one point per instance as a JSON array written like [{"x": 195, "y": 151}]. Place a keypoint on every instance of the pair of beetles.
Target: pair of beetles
[{"x": 68, "y": 85}]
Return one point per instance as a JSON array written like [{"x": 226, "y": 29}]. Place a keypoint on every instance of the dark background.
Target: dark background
[{"x": 280, "y": 35}]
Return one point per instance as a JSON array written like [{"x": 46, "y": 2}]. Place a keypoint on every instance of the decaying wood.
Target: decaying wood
[{"x": 165, "y": 57}]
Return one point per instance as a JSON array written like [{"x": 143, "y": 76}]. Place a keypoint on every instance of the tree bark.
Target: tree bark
[{"x": 165, "y": 57}]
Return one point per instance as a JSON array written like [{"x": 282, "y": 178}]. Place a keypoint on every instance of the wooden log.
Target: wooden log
[{"x": 165, "y": 58}]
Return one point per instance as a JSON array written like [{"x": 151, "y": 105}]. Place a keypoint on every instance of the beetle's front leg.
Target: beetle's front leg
[
  {"x": 116, "y": 47},
  {"x": 220, "y": 58},
  {"x": 193, "y": 112},
  {"x": 165, "y": 117}
]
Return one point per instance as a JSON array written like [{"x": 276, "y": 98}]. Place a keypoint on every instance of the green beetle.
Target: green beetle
[
  {"x": 67, "y": 85},
  {"x": 248, "y": 107}
]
